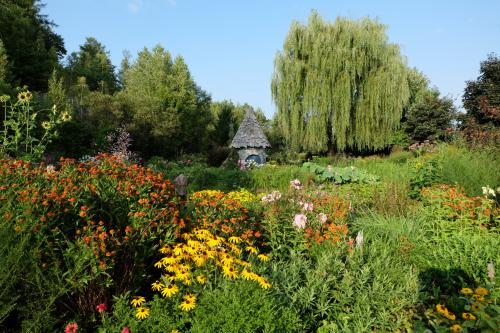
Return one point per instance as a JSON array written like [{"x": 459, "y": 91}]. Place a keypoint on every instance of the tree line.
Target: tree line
[{"x": 337, "y": 86}]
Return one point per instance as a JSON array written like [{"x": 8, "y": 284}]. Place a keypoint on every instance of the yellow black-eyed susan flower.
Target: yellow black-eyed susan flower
[
  {"x": 142, "y": 313},
  {"x": 157, "y": 286},
  {"x": 251, "y": 249},
  {"x": 138, "y": 301},
  {"x": 264, "y": 284},
  {"x": 169, "y": 290},
  {"x": 230, "y": 272},
  {"x": 441, "y": 308},
  {"x": 456, "y": 328},
  {"x": 466, "y": 291},
  {"x": 188, "y": 304},
  {"x": 201, "y": 279},
  {"x": 482, "y": 291},
  {"x": 263, "y": 257},
  {"x": 468, "y": 316}
]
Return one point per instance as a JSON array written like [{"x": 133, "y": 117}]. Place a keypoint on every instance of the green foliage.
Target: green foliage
[
  {"x": 471, "y": 168},
  {"x": 271, "y": 177},
  {"x": 201, "y": 176},
  {"x": 481, "y": 97},
  {"x": 330, "y": 97},
  {"x": 33, "y": 47},
  {"x": 340, "y": 175},
  {"x": 335, "y": 292},
  {"x": 427, "y": 171},
  {"x": 243, "y": 307},
  {"x": 170, "y": 113},
  {"x": 93, "y": 63},
  {"x": 4, "y": 63},
  {"x": 429, "y": 117},
  {"x": 26, "y": 131}
]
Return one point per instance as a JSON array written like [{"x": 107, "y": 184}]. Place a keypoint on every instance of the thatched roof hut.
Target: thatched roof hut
[{"x": 250, "y": 140}]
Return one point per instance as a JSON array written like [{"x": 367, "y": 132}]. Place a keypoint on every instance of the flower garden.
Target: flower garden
[{"x": 107, "y": 246}]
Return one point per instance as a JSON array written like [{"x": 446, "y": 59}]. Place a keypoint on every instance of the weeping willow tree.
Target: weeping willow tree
[{"x": 338, "y": 85}]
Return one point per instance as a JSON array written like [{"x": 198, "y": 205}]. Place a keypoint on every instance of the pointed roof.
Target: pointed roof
[{"x": 250, "y": 134}]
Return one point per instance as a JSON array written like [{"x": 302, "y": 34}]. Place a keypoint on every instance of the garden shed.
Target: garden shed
[{"x": 250, "y": 141}]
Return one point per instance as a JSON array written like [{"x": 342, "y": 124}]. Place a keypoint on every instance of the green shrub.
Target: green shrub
[
  {"x": 243, "y": 307},
  {"x": 427, "y": 171},
  {"x": 370, "y": 289}
]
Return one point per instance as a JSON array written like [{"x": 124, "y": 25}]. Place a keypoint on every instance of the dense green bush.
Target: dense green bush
[{"x": 243, "y": 307}]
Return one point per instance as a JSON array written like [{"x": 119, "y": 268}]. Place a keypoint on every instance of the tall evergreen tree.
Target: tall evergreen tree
[
  {"x": 170, "y": 113},
  {"x": 33, "y": 48},
  {"x": 93, "y": 63},
  {"x": 339, "y": 85}
]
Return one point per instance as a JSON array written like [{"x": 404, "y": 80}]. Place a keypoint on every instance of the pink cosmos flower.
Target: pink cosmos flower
[
  {"x": 101, "y": 307},
  {"x": 71, "y": 328},
  {"x": 299, "y": 221},
  {"x": 125, "y": 330},
  {"x": 322, "y": 217}
]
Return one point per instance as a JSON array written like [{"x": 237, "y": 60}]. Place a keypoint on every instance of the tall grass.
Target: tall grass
[
  {"x": 271, "y": 177},
  {"x": 471, "y": 168}
]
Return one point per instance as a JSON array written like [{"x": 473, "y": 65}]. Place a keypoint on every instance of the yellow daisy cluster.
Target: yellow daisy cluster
[
  {"x": 184, "y": 263},
  {"x": 243, "y": 196}
]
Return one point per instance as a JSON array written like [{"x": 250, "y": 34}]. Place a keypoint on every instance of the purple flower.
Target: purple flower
[{"x": 299, "y": 222}]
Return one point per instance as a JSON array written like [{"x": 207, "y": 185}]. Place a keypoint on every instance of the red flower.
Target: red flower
[
  {"x": 125, "y": 330},
  {"x": 71, "y": 328},
  {"x": 101, "y": 307}
]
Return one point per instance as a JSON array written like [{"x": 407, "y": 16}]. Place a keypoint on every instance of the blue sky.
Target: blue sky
[{"x": 230, "y": 46}]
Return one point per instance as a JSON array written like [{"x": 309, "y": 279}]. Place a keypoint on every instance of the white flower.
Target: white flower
[
  {"x": 359, "y": 239},
  {"x": 488, "y": 191},
  {"x": 322, "y": 217}
]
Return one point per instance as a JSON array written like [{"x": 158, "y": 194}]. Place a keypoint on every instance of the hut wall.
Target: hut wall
[{"x": 244, "y": 153}]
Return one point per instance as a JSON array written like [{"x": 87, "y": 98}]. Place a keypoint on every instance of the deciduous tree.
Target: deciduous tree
[{"x": 339, "y": 85}]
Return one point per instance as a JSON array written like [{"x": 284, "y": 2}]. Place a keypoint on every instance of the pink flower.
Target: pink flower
[
  {"x": 101, "y": 307},
  {"x": 125, "y": 330},
  {"x": 296, "y": 184},
  {"x": 299, "y": 221},
  {"x": 71, "y": 328},
  {"x": 306, "y": 206},
  {"x": 322, "y": 217}
]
